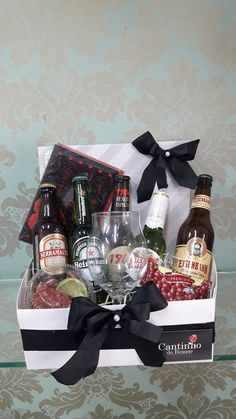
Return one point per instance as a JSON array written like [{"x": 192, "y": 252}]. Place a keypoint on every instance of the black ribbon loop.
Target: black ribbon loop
[
  {"x": 174, "y": 159},
  {"x": 98, "y": 322}
]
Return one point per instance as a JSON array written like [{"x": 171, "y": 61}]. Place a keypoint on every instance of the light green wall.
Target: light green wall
[{"x": 106, "y": 71}]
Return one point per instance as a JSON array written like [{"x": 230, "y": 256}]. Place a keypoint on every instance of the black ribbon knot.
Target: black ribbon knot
[
  {"x": 97, "y": 324},
  {"x": 175, "y": 159}
]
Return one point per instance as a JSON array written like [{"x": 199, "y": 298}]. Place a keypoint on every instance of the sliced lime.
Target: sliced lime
[{"x": 73, "y": 287}]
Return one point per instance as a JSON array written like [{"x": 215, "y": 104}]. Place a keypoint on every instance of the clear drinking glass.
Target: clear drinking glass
[{"x": 117, "y": 252}]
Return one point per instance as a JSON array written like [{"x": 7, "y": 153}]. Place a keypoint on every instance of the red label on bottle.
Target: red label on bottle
[
  {"x": 52, "y": 252},
  {"x": 122, "y": 192}
]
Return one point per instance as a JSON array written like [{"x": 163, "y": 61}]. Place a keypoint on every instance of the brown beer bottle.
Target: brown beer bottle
[
  {"x": 193, "y": 255},
  {"x": 120, "y": 201},
  {"x": 50, "y": 249}
]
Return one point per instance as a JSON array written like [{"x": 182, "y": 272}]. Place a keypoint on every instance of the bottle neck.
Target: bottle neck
[
  {"x": 157, "y": 211},
  {"x": 82, "y": 205},
  {"x": 202, "y": 197},
  {"x": 48, "y": 208},
  {"x": 120, "y": 200}
]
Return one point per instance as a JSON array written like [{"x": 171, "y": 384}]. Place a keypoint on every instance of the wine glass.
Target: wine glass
[{"x": 117, "y": 252}]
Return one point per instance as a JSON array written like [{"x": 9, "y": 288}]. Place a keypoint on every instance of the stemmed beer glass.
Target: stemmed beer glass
[{"x": 117, "y": 253}]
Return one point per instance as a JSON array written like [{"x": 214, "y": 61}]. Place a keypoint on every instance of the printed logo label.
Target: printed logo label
[
  {"x": 194, "y": 260},
  {"x": 52, "y": 252},
  {"x": 187, "y": 345},
  {"x": 137, "y": 263},
  {"x": 192, "y": 338},
  {"x": 121, "y": 197},
  {"x": 201, "y": 201},
  {"x": 122, "y": 260},
  {"x": 196, "y": 247},
  {"x": 117, "y": 259},
  {"x": 79, "y": 255},
  {"x": 96, "y": 262}
]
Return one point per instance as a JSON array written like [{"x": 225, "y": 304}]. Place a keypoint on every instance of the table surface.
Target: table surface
[{"x": 11, "y": 352}]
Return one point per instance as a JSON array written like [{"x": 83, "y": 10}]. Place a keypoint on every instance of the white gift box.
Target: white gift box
[{"x": 180, "y": 319}]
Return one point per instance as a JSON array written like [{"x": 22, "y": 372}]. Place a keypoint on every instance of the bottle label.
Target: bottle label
[
  {"x": 82, "y": 204},
  {"x": 79, "y": 255},
  {"x": 96, "y": 261},
  {"x": 122, "y": 192},
  {"x": 157, "y": 210},
  {"x": 122, "y": 203},
  {"x": 82, "y": 213},
  {"x": 201, "y": 201},
  {"x": 121, "y": 200},
  {"x": 194, "y": 260},
  {"x": 53, "y": 252}
]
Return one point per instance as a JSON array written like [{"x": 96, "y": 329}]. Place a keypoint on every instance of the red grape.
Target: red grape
[{"x": 175, "y": 291}]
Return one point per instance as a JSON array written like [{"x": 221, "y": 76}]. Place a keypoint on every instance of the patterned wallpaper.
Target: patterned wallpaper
[{"x": 105, "y": 71}]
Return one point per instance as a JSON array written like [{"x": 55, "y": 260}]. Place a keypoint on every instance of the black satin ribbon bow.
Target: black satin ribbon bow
[
  {"x": 98, "y": 323},
  {"x": 175, "y": 159}
]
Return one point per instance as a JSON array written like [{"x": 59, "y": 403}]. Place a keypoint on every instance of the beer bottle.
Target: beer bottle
[
  {"x": 153, "y": 230},
  {"x": 83, "y": 224},
  {"x": 120, "y": 201},
  {"x": 193, "y": 255},
  {"x": 82, "y": 230},
  {"x": 50, "y": 247}
]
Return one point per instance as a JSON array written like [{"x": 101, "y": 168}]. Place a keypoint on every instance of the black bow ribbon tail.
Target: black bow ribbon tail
[
  {"x": 97, "y": 323},
  {"x": 175, "y": 160}
]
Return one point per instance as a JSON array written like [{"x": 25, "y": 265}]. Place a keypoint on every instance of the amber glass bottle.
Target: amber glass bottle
[
  {"x": 120, "y": 201},
  {"x": 50, "y": 247},
  {"x": 193, "y": 255}
]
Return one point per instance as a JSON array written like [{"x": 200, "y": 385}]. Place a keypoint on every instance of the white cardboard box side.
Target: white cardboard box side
[
  {"x": 177, "y": 312},
  {"x": 107, "y": 358}
]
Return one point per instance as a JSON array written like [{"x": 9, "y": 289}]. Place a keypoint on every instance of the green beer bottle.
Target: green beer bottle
[{"x": 80, "y": 235}]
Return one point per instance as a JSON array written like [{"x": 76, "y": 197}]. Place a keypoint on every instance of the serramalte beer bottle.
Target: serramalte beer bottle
[
  {"x": 83, "y": 225},
  {"x": 193, "y": 255},
  {"x": 120, "y": 200},
  {"x": 153, "y": 230},
  {"x": 50, "y": 246}
]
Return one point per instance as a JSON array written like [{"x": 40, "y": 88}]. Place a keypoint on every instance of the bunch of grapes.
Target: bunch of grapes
[{"x": 174, "y": 291}]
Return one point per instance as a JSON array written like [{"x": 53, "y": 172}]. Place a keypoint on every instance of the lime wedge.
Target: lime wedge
[{"x": 73, "y": 287}]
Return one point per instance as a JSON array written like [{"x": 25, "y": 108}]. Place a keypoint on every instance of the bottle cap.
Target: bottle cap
[
  {"x": 81, "y": 178},
  {"x": 204, "y": 178},
  {"x": 122, "y": 178},
  {"x": 47, "y": 185},
  {"x": 157, "y": 210}
]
